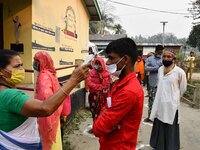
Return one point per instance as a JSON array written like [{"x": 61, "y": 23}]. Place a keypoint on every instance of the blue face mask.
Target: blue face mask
[
  {"x": 158, "y": 56},
  {"x": 36, "y": 68}
]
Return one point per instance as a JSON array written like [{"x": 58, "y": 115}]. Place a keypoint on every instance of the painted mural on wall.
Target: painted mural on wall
[{"x": 70, "y": 23}]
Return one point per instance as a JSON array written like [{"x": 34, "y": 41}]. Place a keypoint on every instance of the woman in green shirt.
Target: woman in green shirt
[{"x": 18, "y": 112}]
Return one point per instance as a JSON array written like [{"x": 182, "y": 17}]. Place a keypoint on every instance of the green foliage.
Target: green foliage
[
  {"x": 180, "y": 57},
  {"x": 95, "y": 27},
  {"x": 119, "y": 29},
  {"x": 190, "y": 90},
  {"x": 169, "y": 38},
  {"x": 189, "y": 93},
  {"x": 195, "y": 9},
  {"x": 107, "y": 24},
  {"x": 194, "y": 37}
]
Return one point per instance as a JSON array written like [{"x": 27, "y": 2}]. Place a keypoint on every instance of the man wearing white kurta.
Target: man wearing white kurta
[{"x": 172, "y": 84}]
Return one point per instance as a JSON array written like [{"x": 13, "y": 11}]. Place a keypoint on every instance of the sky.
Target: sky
[{"x": 147, "y": 23}]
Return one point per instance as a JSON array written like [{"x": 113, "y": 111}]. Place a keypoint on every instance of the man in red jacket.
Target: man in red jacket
[{"x": 117, "y": 126}]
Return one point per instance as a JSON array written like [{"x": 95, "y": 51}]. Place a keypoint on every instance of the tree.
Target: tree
[
  {"x": 195, "y": 10},
  {"x": 107, "y": 21},
  {"x": 169, "y": 38},
  {"x": 94, "y": 27},
  {"x": 194, "y": 37},
  {"x": 119, "y": 29},
  {"x": 107, "y": 24}
]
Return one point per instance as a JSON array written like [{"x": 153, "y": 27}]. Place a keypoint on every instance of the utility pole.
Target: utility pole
[{"x": 164, "y": 23}]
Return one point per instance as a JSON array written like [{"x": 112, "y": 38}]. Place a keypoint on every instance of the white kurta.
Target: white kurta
[{"x": 169, "y": 91}]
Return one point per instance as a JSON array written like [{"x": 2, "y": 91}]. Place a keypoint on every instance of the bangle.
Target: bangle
[{"x": 63, "y": 91}]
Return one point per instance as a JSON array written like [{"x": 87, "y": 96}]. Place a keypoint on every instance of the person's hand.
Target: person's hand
[{"x": 80, "y": 73}]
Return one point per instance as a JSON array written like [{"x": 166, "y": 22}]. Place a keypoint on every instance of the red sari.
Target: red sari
[
  {"x": 46, "y": 85},
  {"x": 99, "y": 88}
]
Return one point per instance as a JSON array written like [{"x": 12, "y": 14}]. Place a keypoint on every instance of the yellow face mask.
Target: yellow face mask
[{"x": 16, "y": 77}]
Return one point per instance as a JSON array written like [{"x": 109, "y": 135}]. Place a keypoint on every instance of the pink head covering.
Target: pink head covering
[
  {"x": 102, "y": 63},
  {"x": 46, "y": 62},
  {"x": 94, "y": 77}
]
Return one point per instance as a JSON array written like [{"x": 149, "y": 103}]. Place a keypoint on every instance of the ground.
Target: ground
[{"x": 75, "y": 137}]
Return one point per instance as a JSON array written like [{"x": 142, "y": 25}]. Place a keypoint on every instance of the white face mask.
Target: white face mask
[
  {"x": 113, "y": 69},
  {"x": 96, "y": 67},
  {"x": 117, "y": 73}
]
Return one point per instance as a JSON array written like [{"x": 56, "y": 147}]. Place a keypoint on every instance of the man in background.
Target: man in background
[
  {"x": 146, "y": 78},
  {"x": 139, "y": 69},
  {"x": 165, "y": 113},
  {"x": 190, "y": 65},
  {"x": 152, "y": 64}
]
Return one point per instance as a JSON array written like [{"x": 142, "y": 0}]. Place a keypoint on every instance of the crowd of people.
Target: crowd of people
[{"x": 116, "y": 105}]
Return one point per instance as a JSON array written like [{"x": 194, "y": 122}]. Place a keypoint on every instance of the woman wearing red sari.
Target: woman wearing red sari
[
  {"x": 99, "y": 87},
  {"x": 46, "y": 85}
]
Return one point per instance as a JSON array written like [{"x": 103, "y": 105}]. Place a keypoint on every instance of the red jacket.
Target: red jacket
[
  {"x": 93, "y": 81},
  {"x": 125, "y": 112}
]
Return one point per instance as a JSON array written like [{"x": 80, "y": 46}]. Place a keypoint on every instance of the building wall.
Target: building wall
[
  {"x": 147, "y": 50},
  {"x": 22, "y": 9},
  {"x": 62, "y": 24},
  {"x": 44, "y": 26}
]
